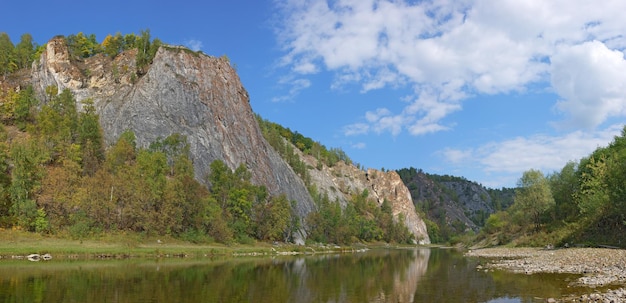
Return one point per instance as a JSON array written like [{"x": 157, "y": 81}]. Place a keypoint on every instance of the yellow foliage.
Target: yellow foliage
[{"x": 8, "y": 99}]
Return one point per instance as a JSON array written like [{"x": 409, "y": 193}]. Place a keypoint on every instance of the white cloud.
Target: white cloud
[
  {"x": 356, "y": 129},
  {"x": 382, "y": 120},
  {"x": 449, "y": 50},
  {"x": 295, "y": 86},
  {"x": 359, "y": 145},
  {"x": 374, "y": 116},
  {"x": 194, "y": 45},
  {"x": 591, "y": 79},
  {"x": 547, "y": 153}
]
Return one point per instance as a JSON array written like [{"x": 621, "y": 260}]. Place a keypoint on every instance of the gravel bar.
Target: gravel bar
[{"x": 599, "y": 267}]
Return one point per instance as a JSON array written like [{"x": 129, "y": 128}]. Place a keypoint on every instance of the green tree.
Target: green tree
[
  {"x": 56, "y": 124},
  {"x": 25, "y": 51},
  {"x": 7, "y": 55},
  {"x": 533, "y": 198},
  {"x": 6, "y": 219},
  {"x": 221, "y": 181},
  {"x": 564, "y": 186},
  {"x": 175, "y": 148},
  {"x": 83, "y": 46},
  {"x": 25, "y": 179},
  {"x": 122, "y": 153},
  {"x": 272, "y": 219},
  {"x": 90, "y": 137},
  {"x": 130, "y": 41},
  {"x": 143, "y": 51},
  {"x": 239, "y": 208},
  {"x": 113, "y": 45},
  {"x": 24, "y": 107}
]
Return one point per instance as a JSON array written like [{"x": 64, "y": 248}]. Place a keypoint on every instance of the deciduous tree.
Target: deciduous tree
[{"x": 532, "y": 198}]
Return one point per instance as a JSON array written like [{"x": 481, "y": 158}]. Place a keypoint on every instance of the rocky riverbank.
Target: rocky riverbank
[{"x": 599, "y": 267}]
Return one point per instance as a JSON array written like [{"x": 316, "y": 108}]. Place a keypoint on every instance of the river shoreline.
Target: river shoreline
[
  {"x": 19, "y": 245},
  {"x": 600, "y": 268}
]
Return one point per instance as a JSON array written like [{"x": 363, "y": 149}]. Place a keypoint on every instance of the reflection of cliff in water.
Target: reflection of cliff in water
[
  {"x": 405, "y": 283},
  {"x": 375, "y": 276}
]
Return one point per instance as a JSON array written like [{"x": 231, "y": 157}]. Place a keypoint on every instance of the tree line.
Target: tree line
[
  {"x": 275, "y": 134},
  {"x": 360, "y": 220},
  {"x": 583, "y": 203},
  {"x": 15, "y": 57},
  {"x": 81, "y": 46}
]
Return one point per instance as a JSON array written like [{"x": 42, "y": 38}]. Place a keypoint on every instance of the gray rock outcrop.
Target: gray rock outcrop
[
  {"x": 342, "y": 180},
  {"x": 184, "y": 92}
]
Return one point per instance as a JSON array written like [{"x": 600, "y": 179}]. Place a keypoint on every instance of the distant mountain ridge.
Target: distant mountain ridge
[{"x": 454, "y": 204}]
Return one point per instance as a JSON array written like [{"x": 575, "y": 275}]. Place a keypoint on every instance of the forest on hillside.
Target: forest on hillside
[
  {"x": 58, "y": 178},
  {"x": 452, "y": 207},
  {"x": 582, "y": 204}
]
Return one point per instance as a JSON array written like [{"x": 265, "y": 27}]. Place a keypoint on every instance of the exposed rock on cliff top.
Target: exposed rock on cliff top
[{"x": 195, "y": 95}]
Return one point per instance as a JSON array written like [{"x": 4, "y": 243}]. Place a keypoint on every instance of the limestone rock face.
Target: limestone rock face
[
  {"x": 389, "y": 186},
  {"x": 195, "y": 95},
  {"x": 343, "y": 180}
]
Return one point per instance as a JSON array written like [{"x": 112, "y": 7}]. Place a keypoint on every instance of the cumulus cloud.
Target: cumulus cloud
[
  {"x": 356, "y": 129},
  {"x": 547, "y": 153},
  {"x": 594, "y": 88},
  {"x": 295, "y": 86},
  {"x": 446, "y": 51}
]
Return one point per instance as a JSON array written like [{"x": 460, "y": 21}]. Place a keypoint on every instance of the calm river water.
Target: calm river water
[{"x": 411, "y": 275}]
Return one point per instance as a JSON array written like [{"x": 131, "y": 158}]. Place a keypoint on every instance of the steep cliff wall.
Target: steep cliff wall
[
  {"x": 198, "y": 96},
  {"x": 343, "y": 180}
]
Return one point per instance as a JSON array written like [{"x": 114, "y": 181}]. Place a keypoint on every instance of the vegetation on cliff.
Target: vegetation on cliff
[
  {"x": 360, "y": 220},
  {"x": 81, "y": 46},
  {"x": 283, "y": 139},
  {"x": 57, "y": 178}
]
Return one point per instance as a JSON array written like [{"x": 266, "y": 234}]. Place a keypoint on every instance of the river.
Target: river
[{"x": 397, "y": 275}]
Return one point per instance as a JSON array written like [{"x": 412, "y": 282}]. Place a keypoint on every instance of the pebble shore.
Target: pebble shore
[{"x": 599, "y": 267}]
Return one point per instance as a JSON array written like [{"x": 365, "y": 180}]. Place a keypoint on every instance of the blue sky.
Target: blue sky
[{"x": 479, "y": 89}]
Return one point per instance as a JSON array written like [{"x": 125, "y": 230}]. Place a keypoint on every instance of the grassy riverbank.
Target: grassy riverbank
[{"x": 16, "y": 244}]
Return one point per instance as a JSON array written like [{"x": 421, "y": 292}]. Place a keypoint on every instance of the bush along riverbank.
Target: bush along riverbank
[{"x": 600, "y": 268}]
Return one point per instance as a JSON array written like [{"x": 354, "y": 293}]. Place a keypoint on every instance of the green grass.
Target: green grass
[{"x": 132, "y": 245}]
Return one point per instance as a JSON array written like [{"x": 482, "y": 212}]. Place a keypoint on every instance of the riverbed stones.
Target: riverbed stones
[{"x": 600, "y": 267}]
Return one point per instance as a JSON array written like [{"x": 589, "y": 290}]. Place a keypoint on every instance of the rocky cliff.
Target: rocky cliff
[
  {"x": 193, "y": 94},
  {"x": 202, "y": 98},
  {"x": 342, "y": 180}
]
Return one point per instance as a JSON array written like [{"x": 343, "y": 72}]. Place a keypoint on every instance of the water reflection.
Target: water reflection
[
  {"x": 415, "y": 275},
  {"x": 378, "y": 276}
]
